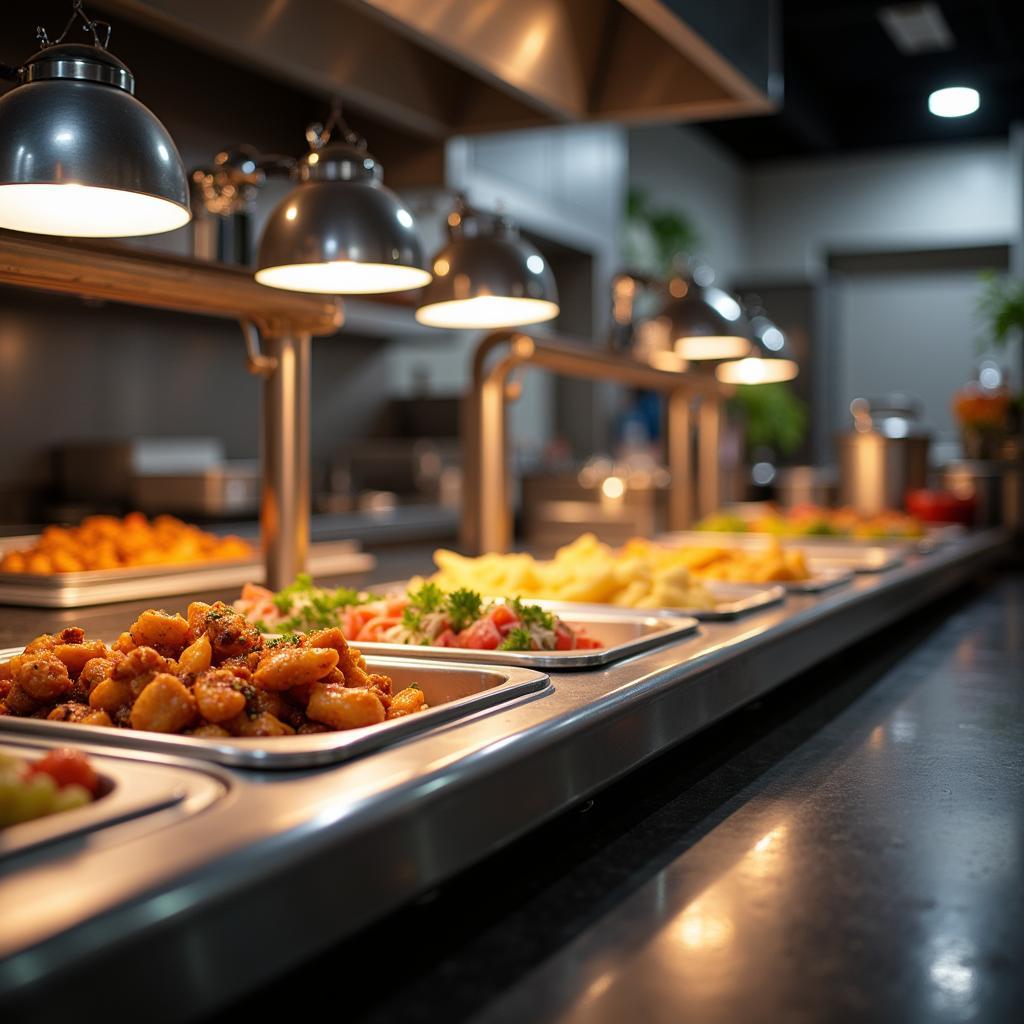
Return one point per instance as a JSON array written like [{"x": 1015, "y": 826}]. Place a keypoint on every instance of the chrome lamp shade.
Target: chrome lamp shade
[
  {"x": 769, "y": 361},
  {"x": 340, "y": 231},
  {"x": 487, "y": 276},
  {"x": 81, "y": 156},
  {"x": 704, "y": 323}
]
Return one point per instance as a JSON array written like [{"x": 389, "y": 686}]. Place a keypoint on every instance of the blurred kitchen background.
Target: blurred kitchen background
[{"x": 881, "y": 240}]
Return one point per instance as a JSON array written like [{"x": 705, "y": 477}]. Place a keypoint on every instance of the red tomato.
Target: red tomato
[
  {"x": 483, "y": 635},
  {"x": 587, "y": 643},
  {"x": 447, "y": 639},
  {"x": 502, "y": 615},
  {"x": 564, "y": 639},
  {"x": 67, "y": 767}
]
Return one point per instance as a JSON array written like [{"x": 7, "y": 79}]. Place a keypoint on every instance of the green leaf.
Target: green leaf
[
  {"x": 518, "y": 639},
  {"x": 774, "y": 417},
  {"x": 463, "y": 607}
]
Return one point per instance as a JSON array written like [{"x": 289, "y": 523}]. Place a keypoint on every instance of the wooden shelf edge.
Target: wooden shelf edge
[{"x": 140, "y": 278}]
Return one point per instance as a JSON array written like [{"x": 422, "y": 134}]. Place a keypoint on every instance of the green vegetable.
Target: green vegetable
[
  {"x": 429, "y": 598},
  {"x": 463, "y": 607},
  {"x": 532, "y": 614},
  {"x": 287, "y": 640},
  {"x": 518, "y": 639},
  {"x": 313, "y": 607}
]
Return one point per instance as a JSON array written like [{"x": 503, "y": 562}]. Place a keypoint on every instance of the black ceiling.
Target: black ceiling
[{"x": 848, "y": 87}]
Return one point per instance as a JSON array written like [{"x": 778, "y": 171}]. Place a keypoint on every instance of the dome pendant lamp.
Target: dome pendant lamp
[
  {"x": 79, "y": 154},
  {"x": 487, "y": 276},
  {"x": 340, "y": 231},
  {"x": 704, "y": 322},
  {"x": 769, "y": 361}
]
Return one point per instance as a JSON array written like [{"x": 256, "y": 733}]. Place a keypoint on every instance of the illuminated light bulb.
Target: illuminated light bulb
[
  {"x": 954, "y": 101},
  {"x": 86, "y": 211},
  {"x": 712, "y": 346},
  {"x": 756, "y": 370},
  {"x": 343, "y": 277},
  {"x": 486, "y": 311}
]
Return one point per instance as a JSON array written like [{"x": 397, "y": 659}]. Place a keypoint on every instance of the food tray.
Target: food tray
[
  {"x": 826, "y": 553},
  {"x": 129, "y": 790},
  {"x": 824, "y": 577},
  {"x": 624, "y": 634},
  {"x": 106, "y": 586},
  {"x": 453, "y": 691}
]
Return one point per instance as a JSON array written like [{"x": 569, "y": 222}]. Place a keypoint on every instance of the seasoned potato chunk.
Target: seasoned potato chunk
[
  {"x": 406, "y": 702},
  {"x": 165, "y": 633},
  {"x": 75, "y": 656},
  {"x": 111, "y": 694},
  {"x": 197, "y": 656},
  {"x": 218, "y": 695},
  {"x": 82, "y": 714},
  {"x": 344, "y": 707},
  {"x": 165, "y": 705},
  {"x": 43, "y": 676},
  {"x": 294, "y": 666},
  {"x": 263, "y": 724}
]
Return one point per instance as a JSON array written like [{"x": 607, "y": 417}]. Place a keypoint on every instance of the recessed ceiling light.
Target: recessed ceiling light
[
  {"x": 956, "y": 101},
  {"x": 917, "y": 28}
]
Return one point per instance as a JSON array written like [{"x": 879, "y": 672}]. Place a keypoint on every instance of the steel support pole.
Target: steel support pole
[
  {"x": 709, "y": 427},
  {"x": 285, "y": 504},
  {"x": 680, "y": 460}
]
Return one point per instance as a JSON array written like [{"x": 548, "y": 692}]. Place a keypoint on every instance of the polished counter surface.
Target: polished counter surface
[
  {"x": 850, "y": 848},
  {"x": 296, "y": 861}
]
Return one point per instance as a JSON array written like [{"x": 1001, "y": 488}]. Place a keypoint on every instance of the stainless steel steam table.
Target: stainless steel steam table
[{"x": 183, "y": 918}]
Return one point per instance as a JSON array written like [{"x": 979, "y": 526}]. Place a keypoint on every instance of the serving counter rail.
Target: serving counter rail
[{"x": 294, "y": 861}]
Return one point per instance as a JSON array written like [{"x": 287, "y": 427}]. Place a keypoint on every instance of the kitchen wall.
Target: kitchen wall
[
  {"x": 681, "y": 169},
  {"x": 932, "y": 197}
]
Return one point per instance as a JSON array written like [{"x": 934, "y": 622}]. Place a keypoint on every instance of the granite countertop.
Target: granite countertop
[{"x": 849, "y": 848}]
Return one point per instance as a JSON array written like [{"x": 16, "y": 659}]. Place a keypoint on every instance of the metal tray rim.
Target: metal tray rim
[{"x": 317, "y": 749}]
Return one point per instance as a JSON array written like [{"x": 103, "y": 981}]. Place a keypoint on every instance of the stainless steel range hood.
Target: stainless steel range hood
[{"x": 437, "y": 68}]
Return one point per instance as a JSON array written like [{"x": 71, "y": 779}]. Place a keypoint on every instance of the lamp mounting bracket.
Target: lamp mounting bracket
[{"x": 91, "y": 25}]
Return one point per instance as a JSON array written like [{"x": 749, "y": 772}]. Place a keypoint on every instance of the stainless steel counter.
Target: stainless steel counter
[{"x": 292, "y": 862}]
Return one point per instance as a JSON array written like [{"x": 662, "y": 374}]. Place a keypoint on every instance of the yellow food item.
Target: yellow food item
[
  {"x": 586, "y": 571},
  {"x": 106, "y": 542},
  {"x": 640, "y": 575}
]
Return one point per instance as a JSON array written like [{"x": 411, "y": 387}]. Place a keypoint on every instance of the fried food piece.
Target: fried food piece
[
  {"x": 95, "y": 670},
  {"x": 165, "y": 633},
  {"x": 343, "y": 707},
  {"x": 196, "y": 657},
  {"x": 209, "y": 731},
  {"x": 230, "y": 633},
  {"x": 286, "y": 667},
  {"x": 111, "y": 695},
  {"x": 218, "y": 693},
  {"x": 407, "y": 702},
  {"x": 165, "y": 705},
  {"x": 18, "y": 702},
  {"x": 263, "y": 724},
  {"x": 80, "y": 714},
  {"x": 76, "y": 655},
  {"x": 42, "y": 676}
]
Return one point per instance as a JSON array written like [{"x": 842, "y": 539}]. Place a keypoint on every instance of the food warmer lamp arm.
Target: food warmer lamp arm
[
  {"x": 286, "y": 321},
  {"x": 487, "y": 507}
]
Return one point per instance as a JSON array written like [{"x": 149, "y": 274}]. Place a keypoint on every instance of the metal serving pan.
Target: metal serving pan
[
  {"x": 453, "y": 690},
  {"x": 129, "y": 790},
  {"x": 826, "y": 553},
  {"x": 622, "y": 633},
  {"x": 106, "y": 586}
]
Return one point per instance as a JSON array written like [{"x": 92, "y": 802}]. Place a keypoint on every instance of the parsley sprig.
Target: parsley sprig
[{"x": 518, "y": 639}]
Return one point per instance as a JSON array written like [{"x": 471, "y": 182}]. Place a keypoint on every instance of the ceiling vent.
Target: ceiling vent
[{"x": 917, "y": 28}]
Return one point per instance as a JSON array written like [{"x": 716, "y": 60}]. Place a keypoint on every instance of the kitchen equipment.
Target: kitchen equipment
[
  {"x": 979, "y": 481},
  {"x": 884, "y": 456},
  {"x": 805, "y": 485},
  {"x": 226, "y": 489},
  {"x": 452, "y": 691}
]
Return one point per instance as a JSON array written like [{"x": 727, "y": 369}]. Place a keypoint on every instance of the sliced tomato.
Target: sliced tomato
[
  {"x": 587, "y": 643},
  {"x": 483, "y": 635},
  {"x": 67, "y": 767},
  {"x": 564, "y": 638},
  {"x": 447, "y": 639},
  {"x": 502, "y": 615}
]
